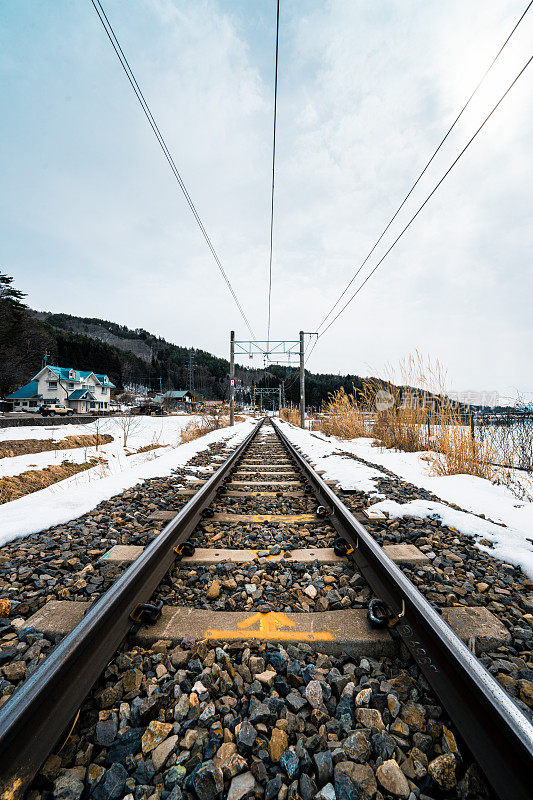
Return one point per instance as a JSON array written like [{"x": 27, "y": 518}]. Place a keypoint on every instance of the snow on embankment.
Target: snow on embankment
[
  {"x": 511, "y": 538},
  {"x": 79, "y": 494}
]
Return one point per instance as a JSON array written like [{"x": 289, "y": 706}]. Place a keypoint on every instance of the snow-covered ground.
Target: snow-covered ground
[
  {"x": 512, "y": 543},
  {"x": 80, "y": 493},
  {"x": 142, "y": 431}
]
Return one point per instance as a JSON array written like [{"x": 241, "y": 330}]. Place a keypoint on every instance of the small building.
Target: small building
[
  {"x": 181, "y": 399},
  {"x": 77, "y": 389}
]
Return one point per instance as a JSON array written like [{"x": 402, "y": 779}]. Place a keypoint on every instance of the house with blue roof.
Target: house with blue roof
[{"x": 77, "y": 389}]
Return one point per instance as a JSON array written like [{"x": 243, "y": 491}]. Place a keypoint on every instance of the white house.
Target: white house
[{"x": 82, "y": 391}]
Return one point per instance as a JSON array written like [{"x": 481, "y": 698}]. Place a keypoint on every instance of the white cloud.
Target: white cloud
[{"x": 95, "y": 224}]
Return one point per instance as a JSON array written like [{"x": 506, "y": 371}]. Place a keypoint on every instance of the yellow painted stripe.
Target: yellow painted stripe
[{"x": 282, "y": 519}]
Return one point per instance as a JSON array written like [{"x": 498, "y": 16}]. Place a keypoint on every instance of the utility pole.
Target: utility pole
[
  {"x": 232, "y": 378},
  {"x": 279, "y": 401},
  {"x": 302, "y": 382},
  {"x": 190, "y": 372}
]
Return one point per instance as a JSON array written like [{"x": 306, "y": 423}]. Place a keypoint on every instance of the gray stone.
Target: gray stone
[
  {"x": 69, "y": 784},
  {"x": 290, "y": 762},
  {"x": 127, "y": 744},
  {"x": 241, "y": 785},
  {"x": 313, "y": 693},
  {"x": 345, "y": 788},
  {"x": 162, "y": 752},
  {"x": 307, "y": 787},
  {"x": 357, "y": 746},
  {"x": 362, "y": 777},
  {"x": 106, "y": 731},
  {"x": 324, "y": 767},
  {"x": 245, "y": 737},
  {"x": 295, "y": 702},
  {"x": 111, "y": 784},
  {"x": 326, "y": 793},
  {"x": 273, "y": 788},
  {"x": 208, "y": 781}
]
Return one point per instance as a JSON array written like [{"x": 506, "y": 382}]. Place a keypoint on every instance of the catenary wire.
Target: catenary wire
[
  {"x": 430, "y": 195},
  {"x": 146, "y": 109},
  {"x": 428, "y": 163},
  {"x": 273, "y": 176}
]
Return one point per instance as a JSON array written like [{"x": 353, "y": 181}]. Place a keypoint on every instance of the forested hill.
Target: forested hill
[
  {"x": 144, "y": 357},
  {"x": 129, "y": 357}
]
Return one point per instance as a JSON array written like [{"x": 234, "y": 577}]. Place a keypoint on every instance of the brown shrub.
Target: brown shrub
[
  {"x": 199, "y": 427},
  {"x": 343, "y": 417},
  {"x": 291, "y": 415}
]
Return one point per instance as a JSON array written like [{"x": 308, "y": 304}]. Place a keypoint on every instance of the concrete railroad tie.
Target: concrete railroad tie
[
  {"x": 345, "y": 631},
  {"x": 404, "y": 554}
]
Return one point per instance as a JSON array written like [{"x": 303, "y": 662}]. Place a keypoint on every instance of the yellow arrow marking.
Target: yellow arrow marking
[{"x": 269, "y": 625}]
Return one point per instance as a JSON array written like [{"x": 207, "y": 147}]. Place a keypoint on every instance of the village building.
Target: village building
[
  {"x": 182, "y": 400},
  {"x": 76, "y": 389}
]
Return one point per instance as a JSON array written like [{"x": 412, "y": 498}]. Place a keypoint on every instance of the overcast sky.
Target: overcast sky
[{"x": 93, "y": 222}]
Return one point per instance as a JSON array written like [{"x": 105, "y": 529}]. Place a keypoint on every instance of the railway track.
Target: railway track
[{"x": 238, "y": 581}]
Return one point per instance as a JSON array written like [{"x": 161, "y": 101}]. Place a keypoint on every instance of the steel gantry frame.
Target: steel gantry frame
[
  {"x": 276, "y": 392},
  {"x": 275, "y": 351}
]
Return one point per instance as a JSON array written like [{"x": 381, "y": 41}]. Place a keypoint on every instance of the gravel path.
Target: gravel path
[{"x": 260, "y": 722}]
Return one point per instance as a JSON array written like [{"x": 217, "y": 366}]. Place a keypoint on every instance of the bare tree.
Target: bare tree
[
  {"x": 98, "y": 427},
  {"x": 127, "y": 425}
]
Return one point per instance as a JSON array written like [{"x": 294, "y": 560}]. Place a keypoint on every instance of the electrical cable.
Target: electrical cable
[
  {"x": 430, "y": 195},
  {"x": 415, "y": 184},
  {"x": 146, "y": 109},
  {"x": 273, "y": 176}
]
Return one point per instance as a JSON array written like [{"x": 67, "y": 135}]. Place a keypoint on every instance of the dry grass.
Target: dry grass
[
  {"x": 148, "y": 447},
  {"x": 410, "y": 411},
  {"x": 343, "y": 417},
  {"x": 291, "y": 415},
  {"x": 199, "y": 427},
  {"x": 12, "y": 487},
  {"x": 20, "y": 447},
  {"x": 458, "y": 453}
]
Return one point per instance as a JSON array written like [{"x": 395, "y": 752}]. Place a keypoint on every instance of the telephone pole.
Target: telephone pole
[
  {"x": 232, "y": 378},
  {"x": 190, "y": 371},
  {"x": 302, "y": 382}
]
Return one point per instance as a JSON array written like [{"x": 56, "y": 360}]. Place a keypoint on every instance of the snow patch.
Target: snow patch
[{"x": 509, "y": 545}]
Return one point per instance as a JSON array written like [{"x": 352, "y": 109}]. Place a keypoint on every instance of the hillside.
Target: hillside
[
  {"x": 154, "y": 356},
  {"x": 132, "y": 358}
]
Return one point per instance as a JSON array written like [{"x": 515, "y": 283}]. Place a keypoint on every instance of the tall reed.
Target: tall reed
[
  {"x": 291, "y": 415},
  {"x": 342, "y": 416}
]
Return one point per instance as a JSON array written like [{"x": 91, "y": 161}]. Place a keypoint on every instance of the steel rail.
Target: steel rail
[
  {"x": 494, "y": 729},
  {"x": 36, "y": 716}
]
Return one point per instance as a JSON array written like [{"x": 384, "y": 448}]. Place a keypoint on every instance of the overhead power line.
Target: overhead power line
[
  {"x": 149, "y": 116},
  {"x": 273, "y": 174},
  {"x": 430, "y": 195},
  {"x": 428, "y": 163}
]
